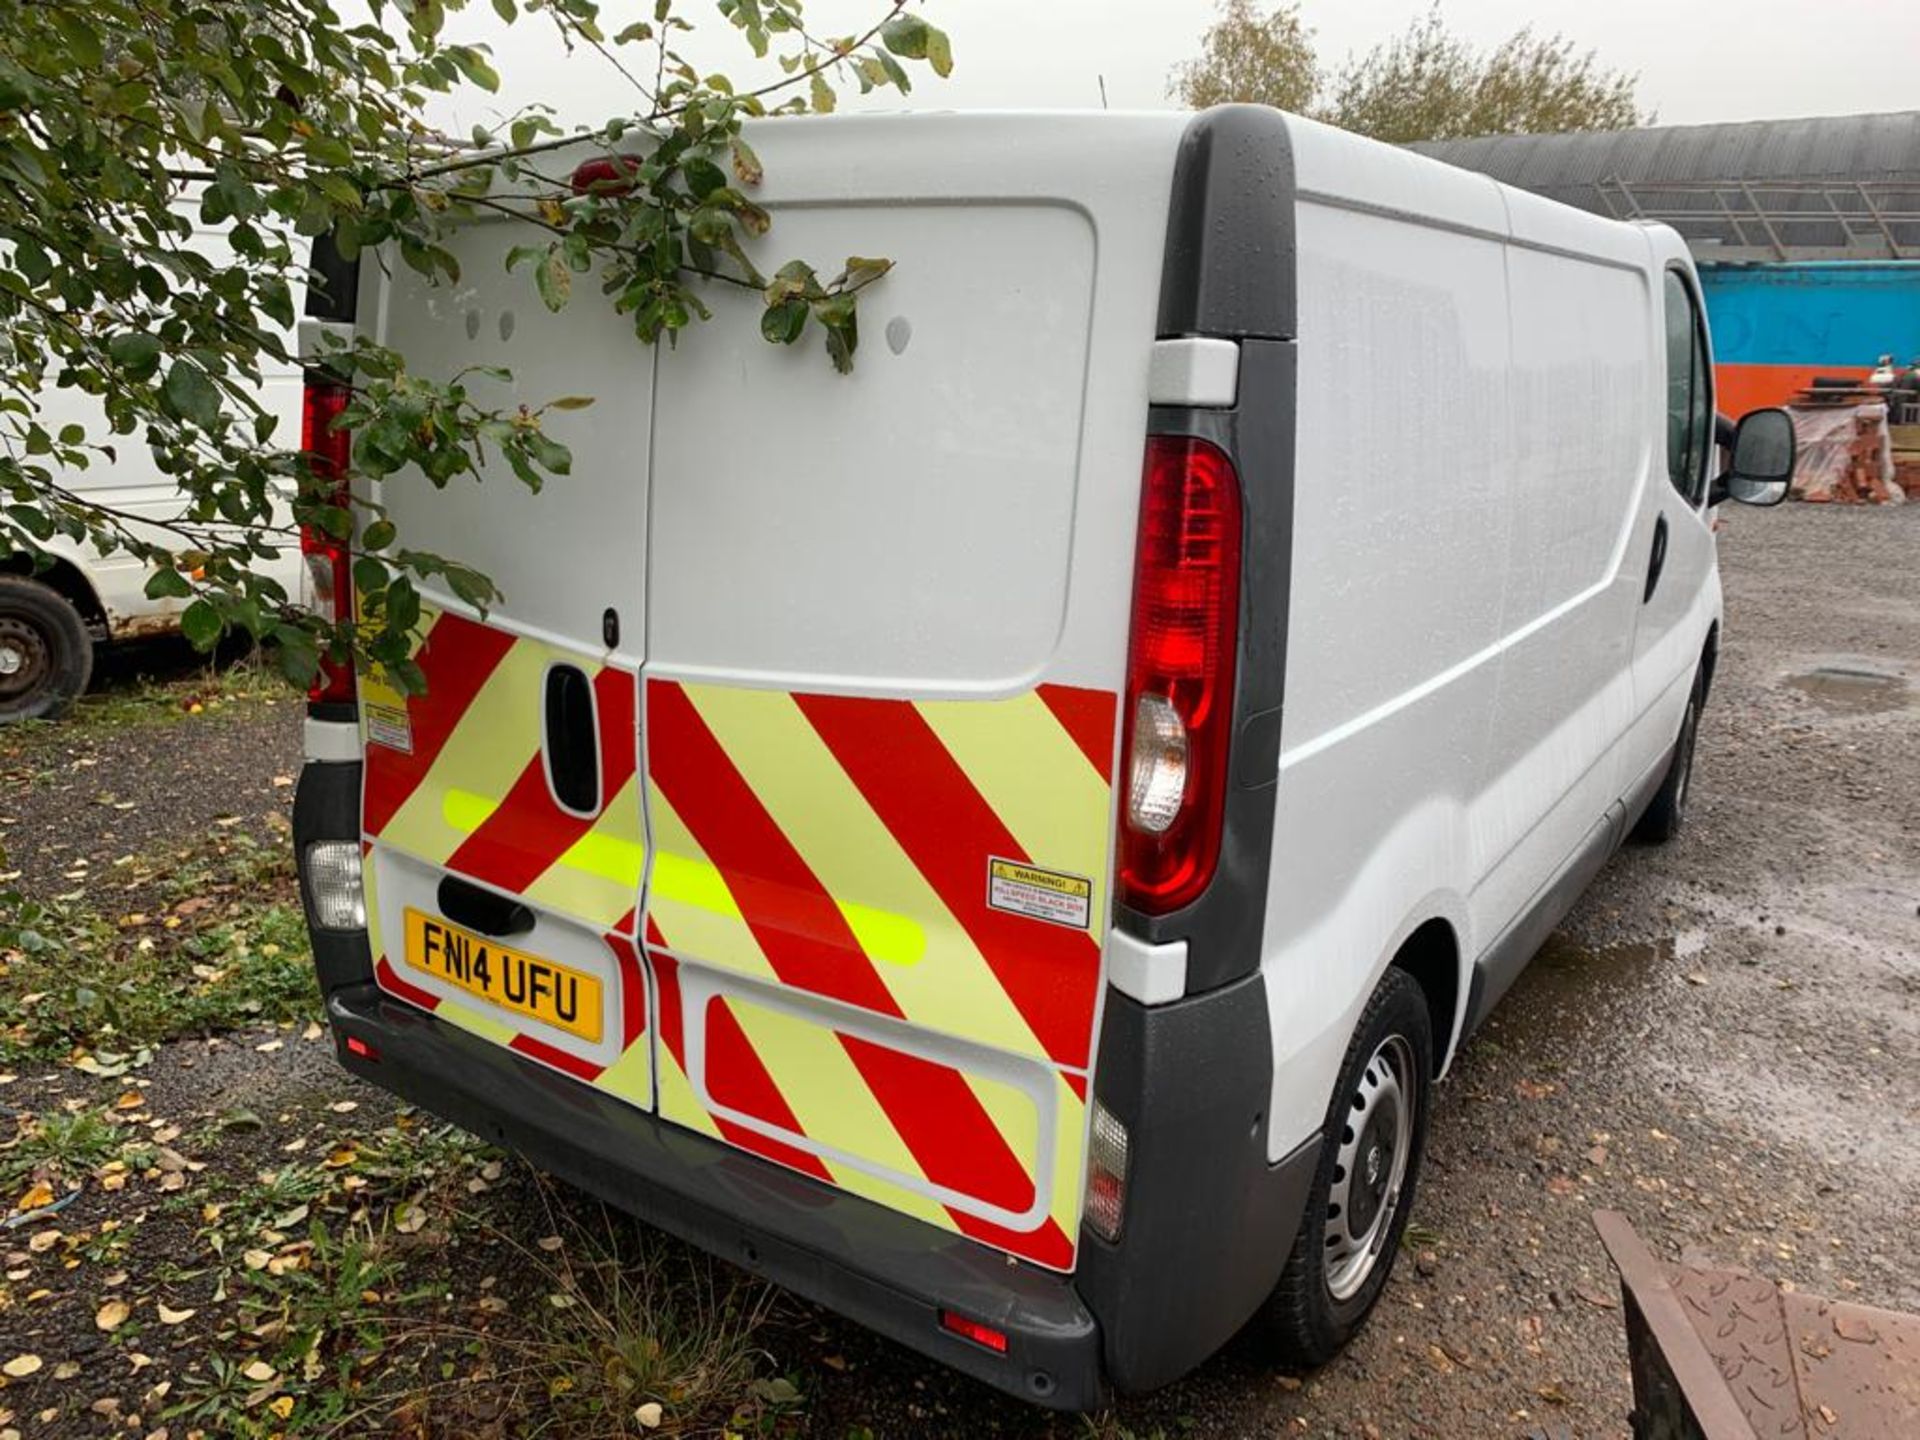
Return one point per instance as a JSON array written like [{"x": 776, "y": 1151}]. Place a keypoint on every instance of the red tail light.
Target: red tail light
[
  {"x": 329, "y": 561},
  {"x": 1179, "y": 715}
]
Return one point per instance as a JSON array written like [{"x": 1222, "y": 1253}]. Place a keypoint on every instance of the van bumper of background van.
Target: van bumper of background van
[{"x": 882, "y": 1269}]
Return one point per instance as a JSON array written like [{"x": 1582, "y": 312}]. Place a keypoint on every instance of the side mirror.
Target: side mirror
[{"x": 1761, "y": 471}]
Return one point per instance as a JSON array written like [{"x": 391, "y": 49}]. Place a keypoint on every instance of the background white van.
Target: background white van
[{"x": 52, "y": 617}]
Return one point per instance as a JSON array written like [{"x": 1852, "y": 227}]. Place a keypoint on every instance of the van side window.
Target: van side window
[{"x": 1689, "y": 392}]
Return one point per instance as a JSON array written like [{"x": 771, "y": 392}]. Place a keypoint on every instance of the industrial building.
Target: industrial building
[{"x": 1807, "y": 232}]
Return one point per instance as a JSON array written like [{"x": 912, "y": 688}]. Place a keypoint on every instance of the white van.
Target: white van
[
  {"x": 53, "y": 615},
  {"x": 1015, "y": 894}
]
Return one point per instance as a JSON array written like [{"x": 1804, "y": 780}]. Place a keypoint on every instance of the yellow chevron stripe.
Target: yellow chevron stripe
[
  {"x": 1027, "y": 767},
  {"x": 1069, "y": 1156},
  {"x": 689, "y": 900},
  {"x": 631, "y": 1076},
  {"x": 678, "y": 1103},
  {"x": 833, "y": 1107},
  {"x": 927, "y": 960},
  {"x": 597, "y": 879},
  {"x": 371, "y": 891},
  {"x": 489, "y": 747}
]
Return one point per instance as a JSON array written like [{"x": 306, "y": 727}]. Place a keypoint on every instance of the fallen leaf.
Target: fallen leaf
[
  {"x": 260, "y": 1372},
  {"x": 1696, "y": 977},
  {"x": 549, "y": 1243},
  {"x": 130, "y": 1100},
  {"x": 112, "y": 1315},
  {"x": 256, "y": 1259},
  {"x": 341, "y": 1158},
  {"x": 344, "y": 1107},
  {"x": 170, "y": 1316},
  {"x": 37, "y": 1198},
  {"x": 649, "y": 1415},
  {"x": 21, "y": 1366},
  {"x": 281, "y": 1405},
  {"x": 42, "y": 1241}
]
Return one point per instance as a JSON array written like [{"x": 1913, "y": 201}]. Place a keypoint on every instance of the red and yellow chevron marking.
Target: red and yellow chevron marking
[
  {"x": 839, "y": 847},
  {"x": 471, "y": 796}
]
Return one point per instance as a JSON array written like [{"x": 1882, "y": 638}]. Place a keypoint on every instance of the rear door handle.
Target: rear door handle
[{"x": 1659, "y": 559}]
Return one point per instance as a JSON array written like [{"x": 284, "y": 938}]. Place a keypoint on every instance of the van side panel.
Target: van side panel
[
  {"x": 1402, "y": 511},
  {"x": 1583, "y": 435}
]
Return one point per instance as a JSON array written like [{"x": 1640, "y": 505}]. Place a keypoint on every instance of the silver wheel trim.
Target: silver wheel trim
[
  {"x": 1389, "y": 1092},
  {"x": 12, "y": 662}
]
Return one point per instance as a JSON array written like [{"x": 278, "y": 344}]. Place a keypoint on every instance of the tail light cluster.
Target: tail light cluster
[
  {"x": 1179, "y": 702},
  {"x": 329, "y": 561}
]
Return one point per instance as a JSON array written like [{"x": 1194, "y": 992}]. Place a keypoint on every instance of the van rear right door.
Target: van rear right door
[{"x": 886, "y": 637}]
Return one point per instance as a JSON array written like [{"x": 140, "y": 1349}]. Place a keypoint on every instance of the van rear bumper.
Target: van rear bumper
[{"x": 890, "y": 1273}]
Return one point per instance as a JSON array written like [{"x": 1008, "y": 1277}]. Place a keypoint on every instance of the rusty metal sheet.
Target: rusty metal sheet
[
  {"x": 1858, "y": 1368},
  {"x": 1726, "y": 1355}
]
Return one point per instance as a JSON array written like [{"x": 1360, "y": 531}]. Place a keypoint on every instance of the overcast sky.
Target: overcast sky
[{"x": 1698, "y": 60}]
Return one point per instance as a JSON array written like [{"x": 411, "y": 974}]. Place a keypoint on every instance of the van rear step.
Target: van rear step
[{"x": 1019, "y": 1328}]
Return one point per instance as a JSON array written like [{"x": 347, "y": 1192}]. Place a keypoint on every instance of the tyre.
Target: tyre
[
  {"x": 1375, "y": 1136},
  {"x": 46, "y": 656},
  {"x": 1667, "y": 811}
]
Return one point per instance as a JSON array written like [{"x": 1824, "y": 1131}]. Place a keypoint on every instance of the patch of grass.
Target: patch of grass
[
  {"x": 61, "y": 1145},
  {"x": 206, "y": 688},
  {"x": 631, "y": 1334},
  {"x": 230, "y": 950}
]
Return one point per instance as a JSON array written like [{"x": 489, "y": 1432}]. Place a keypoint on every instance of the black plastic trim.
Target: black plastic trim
[
  {"x": 326, "y": 806},
  {"x": 883, "y": 1269},
  {"x": 1208, "y": 1222},
  {"x": 1230, "y": 258},
  {"x": 335, "y": 293},
  {"x": 1502, "y": 961}
]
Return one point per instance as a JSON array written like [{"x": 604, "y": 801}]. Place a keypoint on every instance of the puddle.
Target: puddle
[{"x": 1853, "y": 688}]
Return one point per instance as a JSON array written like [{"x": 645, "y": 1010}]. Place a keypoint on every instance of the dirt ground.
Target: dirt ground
[{"x": 1723, "y": 1041}]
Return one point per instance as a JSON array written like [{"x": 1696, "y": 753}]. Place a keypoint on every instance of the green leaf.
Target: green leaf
[
  {"x": 549, "y": 452},
  {"x": 906, "y": 35},
  {"x": 474, "y": 66},
  {"x": 137, "y": 353},
  {"x": 168, "y": 584},
  {"x": 506, "y": 10},
  {"x": 570, "y": 402},
  {"x": 201, "y": 624},
  {"x": 378, "y": 535},
  {"x": 554, "y": 280},
  {"x": 191, "y": 395},
  {"x": 939, "y": 51},
  {"x": 83, "y": 42},
  {"x": 783, "y": 323},
  {"x": 823, "y": 96},
  {"x": 703, "y": 177}
]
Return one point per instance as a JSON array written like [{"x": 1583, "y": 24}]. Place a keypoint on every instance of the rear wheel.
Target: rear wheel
[
  {"x": 1375, "y": 1135},
  {"x": 46, "y": 657},
  {"x": 1667, "y": 811}
]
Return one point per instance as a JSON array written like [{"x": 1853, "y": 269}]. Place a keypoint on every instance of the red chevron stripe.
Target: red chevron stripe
[
  {"x": 1088, "y": 716},
  {"x": 556, "y": 1057},
  {"x": 457, "y": 658},
  {"x": 633, "y": 990},
  {"x": 947, "y": 828},
  {"x": 784, "y": 903},
  {"x": 807, "y": 941},
  {"x": 734, "y": 1062},
  {"x": 391, "y": 982},
  {"x": 523, "y": 837}
]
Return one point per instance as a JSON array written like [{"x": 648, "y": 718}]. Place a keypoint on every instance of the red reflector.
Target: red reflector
[
  {"x": 1180, "y": 671},
  {"x": 329, "y": 561},
  {"x": 357, "y": 1046},
  {"x": 994, "y": 1340}
]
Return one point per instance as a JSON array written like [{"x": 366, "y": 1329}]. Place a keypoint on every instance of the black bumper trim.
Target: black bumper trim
[{"x": 882, "y": 1269}]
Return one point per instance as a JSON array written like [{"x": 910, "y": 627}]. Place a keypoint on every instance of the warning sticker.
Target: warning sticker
[
  {"x": 389, "y": 725},
  {"x": 1023, "y": 889}
]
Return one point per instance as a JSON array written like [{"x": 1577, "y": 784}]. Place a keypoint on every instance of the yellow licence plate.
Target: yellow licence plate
[{"x": 528, "y": 985}]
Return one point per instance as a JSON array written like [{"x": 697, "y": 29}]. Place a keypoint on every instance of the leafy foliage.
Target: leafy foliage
[
  {"x": 129, "y": 130},
  {"x": 1425, "y": 84}
]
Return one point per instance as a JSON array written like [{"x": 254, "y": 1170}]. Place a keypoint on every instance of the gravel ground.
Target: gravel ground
[{"x": 1723, "y": 1040}]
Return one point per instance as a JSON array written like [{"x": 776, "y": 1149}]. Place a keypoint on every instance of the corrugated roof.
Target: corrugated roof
[{"x": 1794, "y": 171}]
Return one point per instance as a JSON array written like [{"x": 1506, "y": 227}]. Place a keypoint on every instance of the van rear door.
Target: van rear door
[
  {"x": 502, "y": 808},
  {"x": 885, "y": 632}
]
